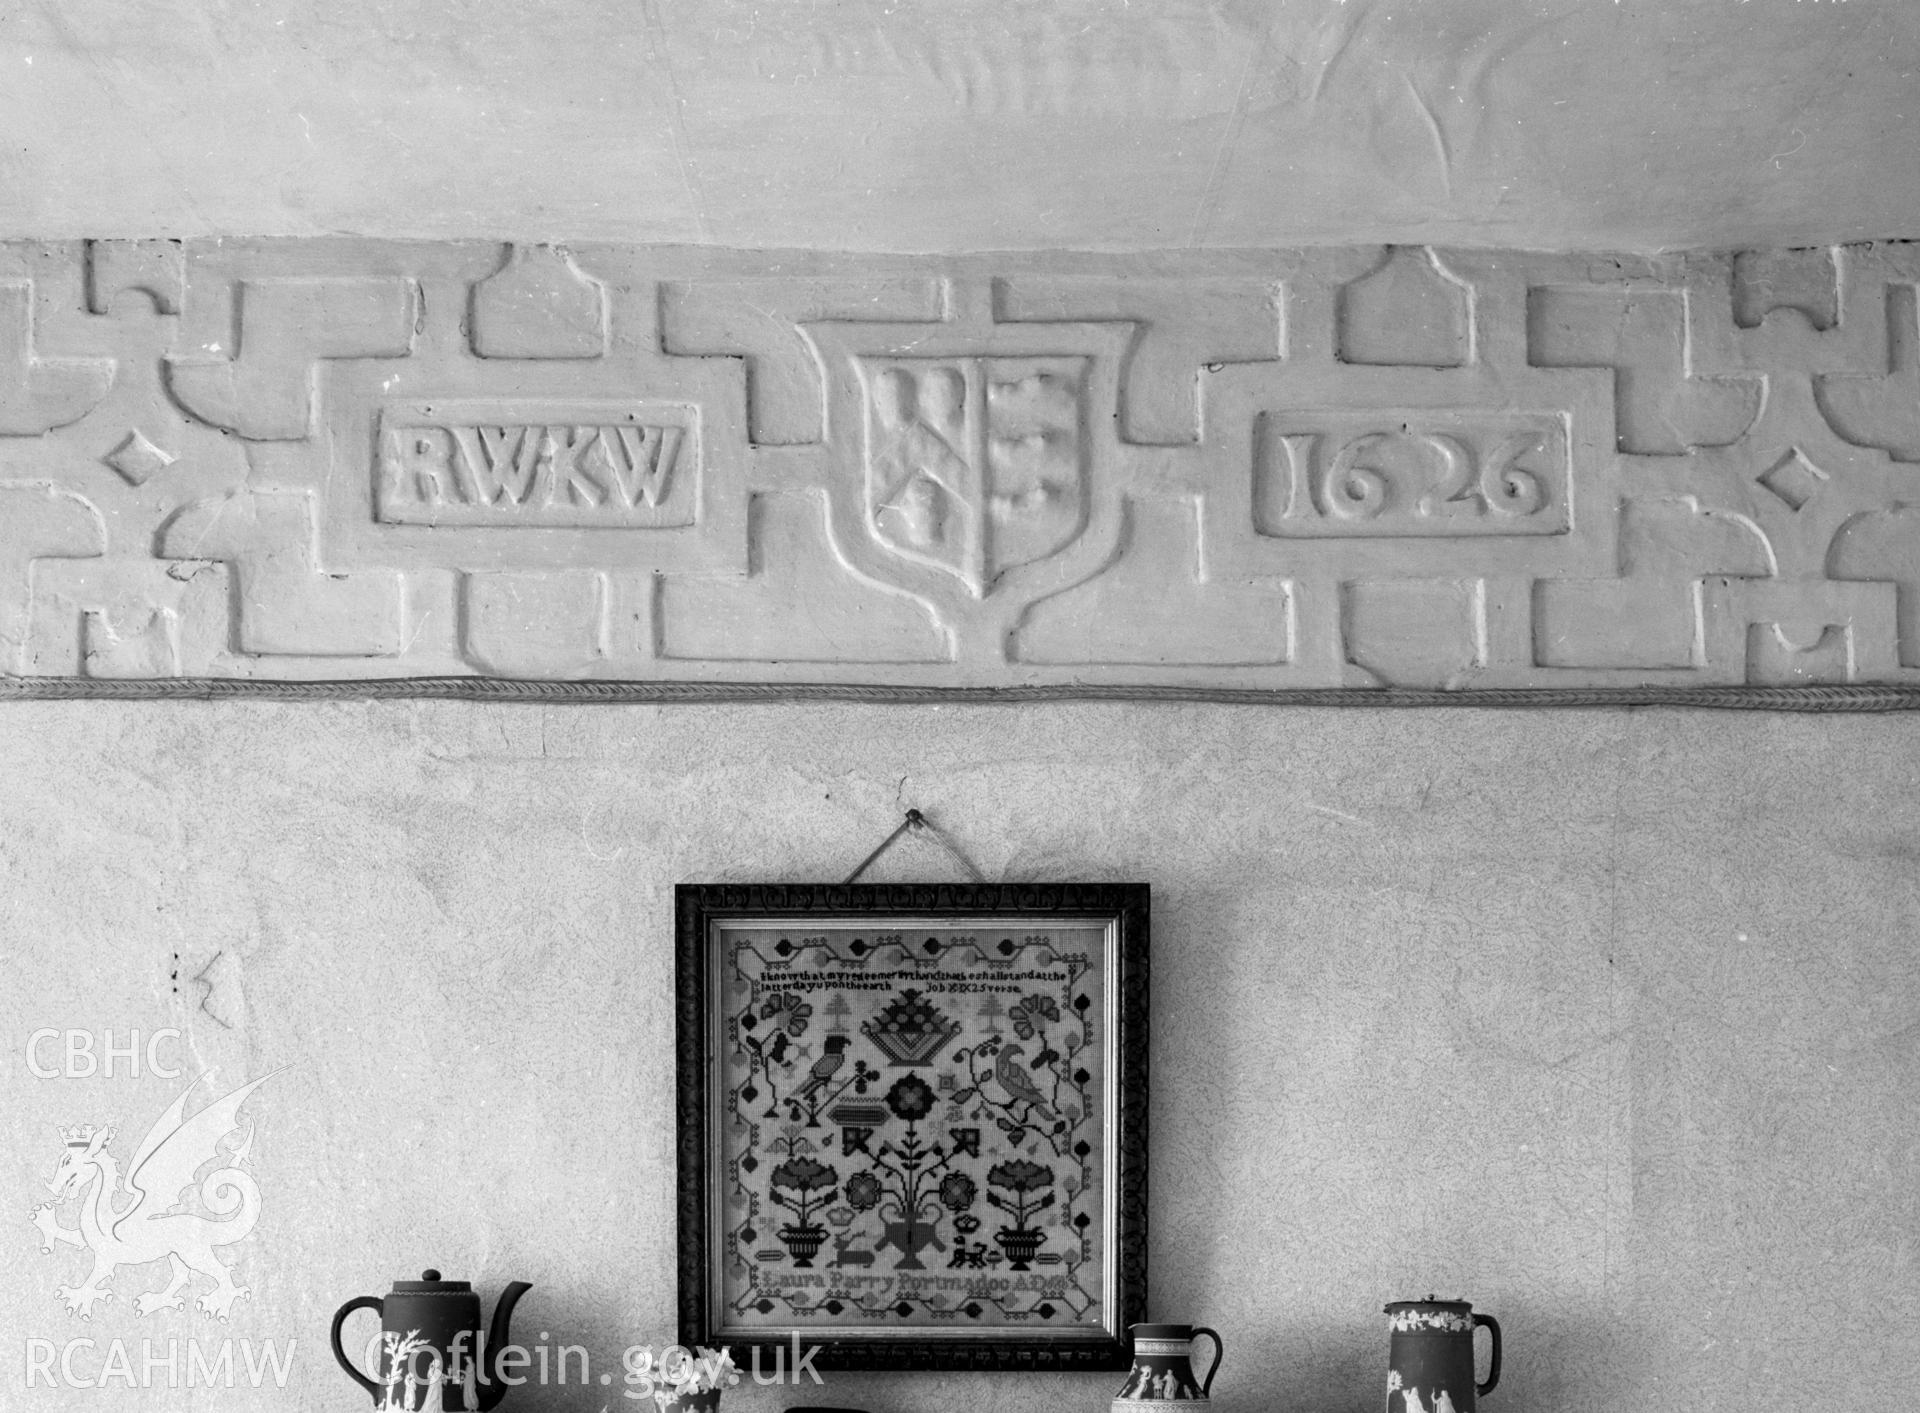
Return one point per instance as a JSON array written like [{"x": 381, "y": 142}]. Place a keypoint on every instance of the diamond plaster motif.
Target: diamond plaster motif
[
  {"x": 137, "y": 459},
  {"x": 1794, "y": 479}
]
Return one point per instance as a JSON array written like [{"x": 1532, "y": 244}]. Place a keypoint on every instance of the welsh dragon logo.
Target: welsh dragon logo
[{"x": 142, "y": 1222}]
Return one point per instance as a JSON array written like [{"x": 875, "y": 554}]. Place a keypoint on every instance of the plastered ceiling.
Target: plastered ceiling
[{"x": 966, "y": 125}]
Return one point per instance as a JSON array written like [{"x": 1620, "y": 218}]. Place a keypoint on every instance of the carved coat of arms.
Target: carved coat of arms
[{"x": 974, "y": 465}]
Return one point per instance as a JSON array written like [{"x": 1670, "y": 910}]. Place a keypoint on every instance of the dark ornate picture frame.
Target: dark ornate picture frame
[{"x": 954, "y": 1072}]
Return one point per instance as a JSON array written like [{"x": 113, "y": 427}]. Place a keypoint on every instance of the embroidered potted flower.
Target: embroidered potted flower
[
  {"x": 803, "y": 1186},
  {"x": 1028, "y": 1186},
  {"x": 907, "y": 1180}
]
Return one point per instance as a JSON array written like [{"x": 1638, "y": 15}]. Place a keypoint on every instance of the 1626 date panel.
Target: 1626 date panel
[{"x": 911, "y": 1127}]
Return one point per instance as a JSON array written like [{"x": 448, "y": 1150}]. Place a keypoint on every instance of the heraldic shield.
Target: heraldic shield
[{"x": 975, "y": 465}]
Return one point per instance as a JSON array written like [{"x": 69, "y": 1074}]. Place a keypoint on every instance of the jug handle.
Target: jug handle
[
  {"x": 1219, "y": 1350},
  {"x": 359, "y": 1302},
  {"x": 1493, "y": 1365}
]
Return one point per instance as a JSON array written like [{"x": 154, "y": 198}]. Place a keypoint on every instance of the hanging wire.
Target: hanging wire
[{"x": 917, "y": 821}]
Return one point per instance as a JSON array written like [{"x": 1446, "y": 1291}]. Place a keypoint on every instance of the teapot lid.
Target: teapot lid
[
  {"x": 430, "y": 1284},
  {"x": 1457, "y": 1303}
]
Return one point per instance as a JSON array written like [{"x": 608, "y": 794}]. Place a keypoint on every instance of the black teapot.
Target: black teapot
[{"x": 430, "y": 1351}]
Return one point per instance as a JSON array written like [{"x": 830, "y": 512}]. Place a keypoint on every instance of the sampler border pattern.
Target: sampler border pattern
[{"x": 912, "y": 1122}]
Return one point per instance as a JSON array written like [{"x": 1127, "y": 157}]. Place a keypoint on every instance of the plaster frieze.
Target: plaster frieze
[{"x": 1349, "y": 471}]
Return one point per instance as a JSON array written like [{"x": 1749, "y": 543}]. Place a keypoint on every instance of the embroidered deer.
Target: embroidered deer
[{"x": 844, "y": 1256}]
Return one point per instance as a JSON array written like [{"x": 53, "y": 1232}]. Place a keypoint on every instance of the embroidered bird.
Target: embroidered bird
[
  {"x": 825, "y": 1067},
  {"x": 1015, "y": 1081}
]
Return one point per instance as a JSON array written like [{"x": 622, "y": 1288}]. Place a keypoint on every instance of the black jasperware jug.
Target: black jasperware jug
[{"x": 1430, "y": 1356}]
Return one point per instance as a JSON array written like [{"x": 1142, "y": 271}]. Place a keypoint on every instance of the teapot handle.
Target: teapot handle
[
  {"x": 359, "y": 1302},
  {"x": 1219, "y": 1350},
  {"x": 1493, "y": 1365}
]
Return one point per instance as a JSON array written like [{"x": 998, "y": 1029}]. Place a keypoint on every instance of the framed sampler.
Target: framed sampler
[{"x": 912, "y": 1122}]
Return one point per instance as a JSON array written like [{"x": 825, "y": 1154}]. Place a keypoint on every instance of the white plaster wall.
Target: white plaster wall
[{"x": 1604, "y": 1020}]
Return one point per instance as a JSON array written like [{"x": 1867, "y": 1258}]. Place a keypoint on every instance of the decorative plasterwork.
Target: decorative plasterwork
[{"x": 1254, "y": 474}]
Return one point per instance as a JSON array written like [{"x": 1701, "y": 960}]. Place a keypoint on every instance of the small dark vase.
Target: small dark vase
[
  {"x": 1021, "y": 1245},
  {"x": 803, "y": 1242},
  {"x": 1430, "y": 1356}
]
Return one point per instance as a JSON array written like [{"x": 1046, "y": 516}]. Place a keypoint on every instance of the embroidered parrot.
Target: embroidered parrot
[
  {"x": 824, "y": 1068},
  {"x": 1016, "y": 1082}
]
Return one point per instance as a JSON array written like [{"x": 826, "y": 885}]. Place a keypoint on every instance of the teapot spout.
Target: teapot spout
[{"x": 492, "y": 1388}]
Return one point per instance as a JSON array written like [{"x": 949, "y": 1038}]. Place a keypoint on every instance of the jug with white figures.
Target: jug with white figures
[
  {"x": 1161, "y": 1380},
  {"x": 1430, "y": 1356}
]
